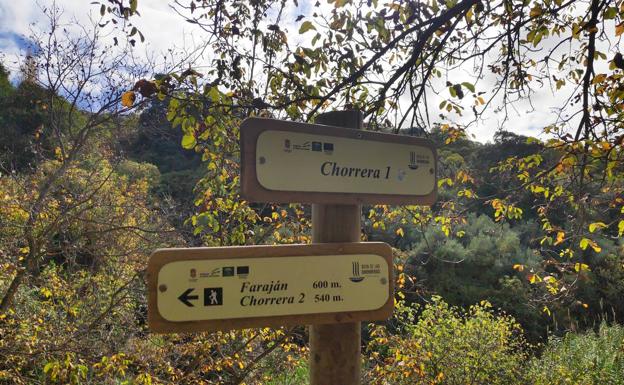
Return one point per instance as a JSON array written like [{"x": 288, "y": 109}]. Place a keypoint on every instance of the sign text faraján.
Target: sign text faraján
[{"x": 253, "y": 286}]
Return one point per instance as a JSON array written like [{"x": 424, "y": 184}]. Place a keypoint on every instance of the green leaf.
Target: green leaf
[
  {"x": 469, "y": 86},
  {"x": 47, "y": 367},
  {"x": 306, "y": 26},
  {"x": 214, "y": 94},
  {"x": 610, "y": 13},
  {"x": 133, "y": 5},
  {"x": 315, "y": 38},
  {"x": 188, "y": 141},
  {"x": 536, "y": 11}
]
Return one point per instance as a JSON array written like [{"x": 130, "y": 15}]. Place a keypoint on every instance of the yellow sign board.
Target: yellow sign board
[
  {"x": 212, "y": 284},
  {"x": 314, "y": 159}
]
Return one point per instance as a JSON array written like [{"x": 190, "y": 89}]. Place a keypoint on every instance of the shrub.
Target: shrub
[
  {"x": 448, "y": 346},
  {"x": 587, "y": 359}
]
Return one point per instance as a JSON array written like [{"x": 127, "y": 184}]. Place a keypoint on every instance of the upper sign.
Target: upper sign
[
  {"x": 297, "y": 162},
  {"x": 226, "y": 288}
]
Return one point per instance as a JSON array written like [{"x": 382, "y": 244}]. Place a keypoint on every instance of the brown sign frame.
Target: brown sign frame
[
  {"x": 161, "y": 257},
  {"x": 253, "y": 191}
]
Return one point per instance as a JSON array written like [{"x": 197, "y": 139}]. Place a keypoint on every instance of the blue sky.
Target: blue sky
[{"x": 11, "y": 41}]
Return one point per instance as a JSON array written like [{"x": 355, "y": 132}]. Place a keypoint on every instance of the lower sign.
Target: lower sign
[{"x": 236, "y": 287}]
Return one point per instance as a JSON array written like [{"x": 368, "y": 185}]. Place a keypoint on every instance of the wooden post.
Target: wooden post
[{"x": 335, "y": 348}]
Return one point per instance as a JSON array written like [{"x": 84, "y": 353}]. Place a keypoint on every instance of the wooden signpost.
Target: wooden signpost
[
  {"x": 222, "y": 288},
  {"x": 313, "y": 163},
  {"x": 333, "y": 283}
]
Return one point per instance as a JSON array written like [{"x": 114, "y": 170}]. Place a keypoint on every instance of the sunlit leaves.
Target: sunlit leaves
[
  {"x": 503, "y": 210},
  {"x": 536, "y": 11},
  {"x": 128, "y": 98},
  {"x": 188, "y": 141},
  {"x": 585, "y": 242},
  {"x": 441, "y": 346},
  {"x": 596, "y": 225}
]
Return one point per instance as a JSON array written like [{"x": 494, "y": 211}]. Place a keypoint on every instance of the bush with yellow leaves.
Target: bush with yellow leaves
[{"x": 447, "y": 346}]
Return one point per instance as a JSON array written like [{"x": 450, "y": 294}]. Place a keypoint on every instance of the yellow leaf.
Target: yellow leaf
[
  {"x": 127, "y": 99},
  {"x": 45, "y": 292},
  {"x": 588, "y": 242},
  {"x": 584, "y": 243},
  {"x": 58, "y": 153},
  {"x": 536, "y": 11},
  {"x": 518, "y": 267},
  {"x": 469, "y": 15},
  {"x": 596, "y": 225},
  {"x": 578, "y": 267},
  {"x": 399, "y": 232},
  {"x": 560, "y": 237},
  {"x": 599, "y": 78}
]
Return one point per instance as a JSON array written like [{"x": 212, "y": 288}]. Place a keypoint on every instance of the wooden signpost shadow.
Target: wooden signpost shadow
[{"x": 335, "y": 348}]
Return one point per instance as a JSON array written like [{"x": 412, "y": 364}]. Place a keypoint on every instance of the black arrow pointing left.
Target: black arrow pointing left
[{"x": 185, "y": 297}]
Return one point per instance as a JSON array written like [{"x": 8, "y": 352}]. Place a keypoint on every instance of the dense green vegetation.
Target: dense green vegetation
[
  {"x": 588, "y": 358},
  {"x": 86, "y": 295},
  {"x": 514, "y": 276}
]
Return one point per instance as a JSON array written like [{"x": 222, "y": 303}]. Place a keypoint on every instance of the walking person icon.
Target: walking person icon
[{"x": 213, "y": 296}]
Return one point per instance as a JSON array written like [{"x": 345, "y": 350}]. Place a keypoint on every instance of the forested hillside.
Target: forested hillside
[
  {"x": 514, "y": 276},
  {"x": 80, "y": 314}
]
